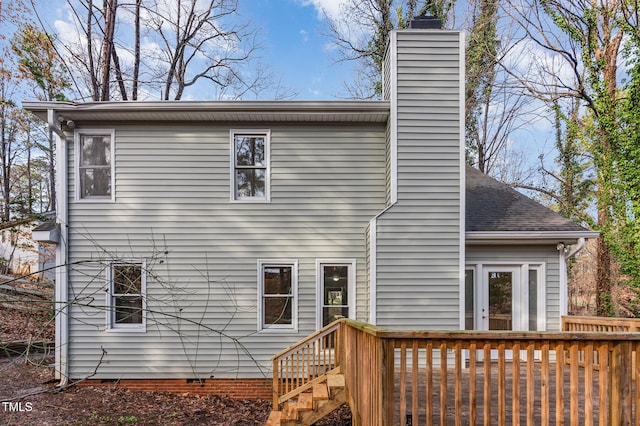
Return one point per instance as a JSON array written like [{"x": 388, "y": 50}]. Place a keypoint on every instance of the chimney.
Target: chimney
[{"x": 426, "y": 22}]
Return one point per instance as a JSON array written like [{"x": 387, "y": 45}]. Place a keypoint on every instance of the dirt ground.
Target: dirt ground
[{"x": 28, "y": 396}]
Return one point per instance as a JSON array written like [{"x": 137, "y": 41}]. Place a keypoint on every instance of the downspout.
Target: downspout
[
  {"x": 61, "y": 292},
  {"x": 575, "y": 248},
  {"x": 564, "y": 256}
]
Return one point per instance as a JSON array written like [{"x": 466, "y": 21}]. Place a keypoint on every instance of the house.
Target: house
[
  {"x": 21, "y": 254},
  {"x": 197, "y": 239}
]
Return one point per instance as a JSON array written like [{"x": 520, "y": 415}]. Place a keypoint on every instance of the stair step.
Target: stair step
[
  {"x": 274, "y": 418},
  {"x": 320, "y": 392},
  {"x": 323, "y": 408},
  {"x": 305, "y": 401},
  {"x": 335, "y": 381},
  {"x": 289, "y": 412}
]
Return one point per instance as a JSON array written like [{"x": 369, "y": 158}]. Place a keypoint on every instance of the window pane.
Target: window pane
[
  {"x": 95, "y": 182},
  {"x": 469, "y": 293},
  {"x": 277, "y": 310},
  {"x": 533, "y": 300},
  {"x": 331, "y": 313},
  {"x": 250, "y": 182},
  {"x": 250, "y": 150},
  {"x": 127, "y": 279},
  {"x": 95, "y": 150},
  {"x": 500, "y": 300},
  {"x": 277, "y": 279},
  {"x": 336, "y": 284},
  {"x": 128, "y": 310}
]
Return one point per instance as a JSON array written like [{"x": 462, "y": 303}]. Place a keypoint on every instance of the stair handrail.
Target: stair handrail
[{"x": 300, "y": 384}]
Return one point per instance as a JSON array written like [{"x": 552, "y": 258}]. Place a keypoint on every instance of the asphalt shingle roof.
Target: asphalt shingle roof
[{"x": 492, "y": 206}]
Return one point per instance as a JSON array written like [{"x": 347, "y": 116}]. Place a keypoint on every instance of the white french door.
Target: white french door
[{"x": 504, "y": 297}]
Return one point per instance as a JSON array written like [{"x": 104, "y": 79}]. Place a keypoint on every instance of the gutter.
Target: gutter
[
  {"x": 61, "y": 302},
  {"x": 273, "y": 111}
]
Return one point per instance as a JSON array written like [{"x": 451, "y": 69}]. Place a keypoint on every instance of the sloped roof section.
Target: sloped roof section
[{"x": 495, "y": 209}]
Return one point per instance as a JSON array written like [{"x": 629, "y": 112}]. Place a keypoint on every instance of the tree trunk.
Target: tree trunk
[
  {"x": 136, "y": 58},
  {"x": 604, "y": 303},
  {"x": 107, "y": 47}
]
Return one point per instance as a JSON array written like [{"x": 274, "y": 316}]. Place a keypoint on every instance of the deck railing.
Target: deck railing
[
  {"x": 396, "y": 377},
  {"x": 298, "y": 367},
  {"x": 410, "y": 377},
  {"x": 600, "y": 324}
]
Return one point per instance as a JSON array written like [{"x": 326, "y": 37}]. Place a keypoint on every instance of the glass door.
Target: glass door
[{"x": 336, "y": 288}]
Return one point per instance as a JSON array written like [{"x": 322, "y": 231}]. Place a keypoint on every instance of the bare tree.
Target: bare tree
[
  {"x": 186, "y": 42},
  {"x": 12, "y": 125},
  {"x": 361, "y": 33},
  {"x": 495, "y": 107},
  {"x": 195, "y": 32},
  {"x": 42, "y": 70}
]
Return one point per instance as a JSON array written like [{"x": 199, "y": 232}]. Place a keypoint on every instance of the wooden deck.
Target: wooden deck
[{"x": 405, "y": 377}]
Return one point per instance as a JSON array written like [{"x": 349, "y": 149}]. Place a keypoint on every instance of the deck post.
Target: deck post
[
  {"x": 621, "y": 384},
  {"x": 276, "y": 384},
  {"x": 388, "y": 367}
]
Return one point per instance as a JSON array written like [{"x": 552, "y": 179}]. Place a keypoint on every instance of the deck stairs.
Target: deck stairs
[{"x": 311, "y": 405}]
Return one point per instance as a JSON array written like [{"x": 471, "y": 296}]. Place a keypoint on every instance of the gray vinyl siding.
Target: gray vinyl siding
[
  {"x": 387, "y": 95},
  {"x": 173, "y": 209},
  {"x": 418, "y": 238},
  {"x": 386, "y": 74},
  {"x": 530, "y": 254},
  {"x": 388, "y": 167}
]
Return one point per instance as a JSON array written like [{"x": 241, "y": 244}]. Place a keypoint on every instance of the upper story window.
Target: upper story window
[
  {"x": 126, "y": 305},
  {"x": 95, "y": 165},
  {"x": 250, "y": 169}
]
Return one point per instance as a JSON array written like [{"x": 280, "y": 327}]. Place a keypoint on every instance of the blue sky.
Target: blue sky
[{"x": 295, "y": 49}]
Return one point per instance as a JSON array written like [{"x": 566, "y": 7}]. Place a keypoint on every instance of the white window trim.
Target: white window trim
[
  {"x": 278, "y": 328},
  {"x": 352, "y": 286},
  {"x": 541, "y": 270},
  {"x": 463, "y": 299},
  {"x": 126, "y": 328},
  {"x": 232, "y": 170},
  {"x": 94, "y": 199}
]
